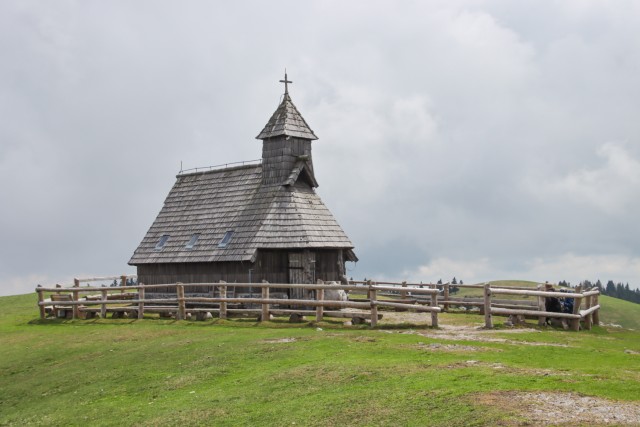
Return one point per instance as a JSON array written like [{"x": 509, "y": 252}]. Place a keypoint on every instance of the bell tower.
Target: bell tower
[{"x": 286, "y": 144}]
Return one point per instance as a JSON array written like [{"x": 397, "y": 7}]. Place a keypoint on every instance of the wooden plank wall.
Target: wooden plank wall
[
  {"x": 279, "y": 155},
  {"x": 272, "y": 266}
]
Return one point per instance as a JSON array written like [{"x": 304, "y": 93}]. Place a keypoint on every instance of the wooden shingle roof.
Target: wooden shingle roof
[
  {"x": 302, "y": 166},
  {"x": 234, "y": 199},
  {"x": 287, "y": 121}
]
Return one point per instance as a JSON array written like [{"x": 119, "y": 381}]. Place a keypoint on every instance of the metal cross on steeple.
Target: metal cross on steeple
[{"x": 286, "y": 82}]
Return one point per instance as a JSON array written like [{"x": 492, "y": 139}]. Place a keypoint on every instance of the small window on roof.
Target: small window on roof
[
  {"x": 161, "y": 242},
  {"x": 225, "y": 240},
  {"x": 192, "y": 242}
]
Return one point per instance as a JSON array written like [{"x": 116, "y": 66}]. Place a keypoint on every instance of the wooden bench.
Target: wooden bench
[{"x": 62, "y": 310}]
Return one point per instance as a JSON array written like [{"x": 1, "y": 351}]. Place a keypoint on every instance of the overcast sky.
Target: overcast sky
[{"x": 482, "y": 139}]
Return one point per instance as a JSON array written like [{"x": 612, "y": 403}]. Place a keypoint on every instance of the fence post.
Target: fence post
[
  {"x": 488, "y": 321},
  {"x": 587, "y": 318},
  {"x": 403, "y": 293},
  {"x": 141, "y": 303},
  {"x": 374, "y": 308},
  {"x": 434, "y": 314},
  {"x": 596, "y": 314},
  {"x": 43, "y": 312},
  {"x": 181, "y": 305},
  {"x": 319, "y": 297},
  {"x": 265, "y": 306},
  {"x": 223, "y": 294},
  {"x": 577, "y": 302},
  {"x": 123, "y": 284},
  {"x": 542, "y": 320},
  {"x": 76, "y": 297},
  {"x": 103, "y": 307},
  {"x": 445, "y": 306}
]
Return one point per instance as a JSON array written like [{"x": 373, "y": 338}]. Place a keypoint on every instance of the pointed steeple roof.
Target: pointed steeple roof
[{"x": 287, "y": 120}]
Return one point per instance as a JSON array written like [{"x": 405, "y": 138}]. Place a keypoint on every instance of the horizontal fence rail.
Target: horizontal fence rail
[
  {"x": 131, "y": 299},
  {"x": 222, "y": 298},
  {"x": 589, "y": 298}
]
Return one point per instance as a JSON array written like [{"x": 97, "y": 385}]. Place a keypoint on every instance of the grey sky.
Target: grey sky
[{"x": 480, "y": 139}]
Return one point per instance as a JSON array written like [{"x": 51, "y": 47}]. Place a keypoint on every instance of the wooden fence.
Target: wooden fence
[
  {"x": 399, "y": 296},
  {"x": 135, "y": 303},
  {"x": 73, "y": 294},
  {"x": 588, "y": 298},
  {"x": 489, "y": 305}
]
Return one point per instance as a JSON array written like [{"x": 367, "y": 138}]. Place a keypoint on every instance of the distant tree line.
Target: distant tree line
[
  {"x": 616, "y": 290},
  {"x": 452, "y": 284}
]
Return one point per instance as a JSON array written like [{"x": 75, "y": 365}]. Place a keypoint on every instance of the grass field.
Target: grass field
[{"x": 239, "y": 372}]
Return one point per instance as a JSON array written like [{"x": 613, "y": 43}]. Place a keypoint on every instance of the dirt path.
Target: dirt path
[{"x": 474, "y": 332}]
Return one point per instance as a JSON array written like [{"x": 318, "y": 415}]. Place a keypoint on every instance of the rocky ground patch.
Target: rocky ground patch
[{"x": 543, "y": 408}]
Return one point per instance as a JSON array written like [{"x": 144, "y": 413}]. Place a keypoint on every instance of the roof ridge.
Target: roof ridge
[{"x": 227, "y": 169}]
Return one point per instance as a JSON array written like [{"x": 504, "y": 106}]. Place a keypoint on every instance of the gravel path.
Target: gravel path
[{"x": 564, "y": 409}]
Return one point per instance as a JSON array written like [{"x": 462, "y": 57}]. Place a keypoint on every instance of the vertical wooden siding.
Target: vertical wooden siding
[{"x": 272, "y": 266}]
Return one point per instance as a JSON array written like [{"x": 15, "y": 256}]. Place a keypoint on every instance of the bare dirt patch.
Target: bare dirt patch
[
  {"x": 514, "y": 370},
  {"x": 540, "y": 408},
  {"x": 279, "y": 340},
  {"x": 472, "y": 333},
  {"x": 364, "y": 339},
  {"x": 478, "y": 333},
  {"x": 449, "y": 347},
  {"x": 396, "y": 318}
]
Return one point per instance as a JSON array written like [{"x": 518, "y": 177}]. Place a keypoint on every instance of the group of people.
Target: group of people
[{"x": 557, "y": 304}]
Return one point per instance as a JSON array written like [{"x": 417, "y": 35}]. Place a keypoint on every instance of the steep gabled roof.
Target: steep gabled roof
[
  {"x": 297, "y": 218},
  {"x": 287, "y": 121},
  {"x": 234, "y": 199}
]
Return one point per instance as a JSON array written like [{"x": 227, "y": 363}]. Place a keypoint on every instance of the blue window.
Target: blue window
[
  {"x": 161, "y": 242},
  {"x": 225, "y": 240},
  {"x": 192, "y": 242}
]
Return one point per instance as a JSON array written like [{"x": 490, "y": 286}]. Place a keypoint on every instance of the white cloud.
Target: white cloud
[
  {"x": 470, "y": 134},
  {"x": 471, "y": 271},
  {"x": 612, "y": 186}
]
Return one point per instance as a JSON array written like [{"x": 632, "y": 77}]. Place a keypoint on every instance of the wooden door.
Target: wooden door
[{"x": 302, "y": 269}]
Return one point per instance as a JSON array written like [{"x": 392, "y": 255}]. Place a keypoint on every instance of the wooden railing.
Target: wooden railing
[
  {"x": 183, "y": 304},
  {"x": 399, "y": 296},
  {"x": 589, "y": 315},
  {"x": 75, "y": 291},
  {"x": 489, "y": 305}
]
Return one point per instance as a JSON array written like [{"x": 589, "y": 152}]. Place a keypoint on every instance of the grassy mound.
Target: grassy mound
[
  {"x": 157, "y": 372},
  {"x": 615, "y": 311}
]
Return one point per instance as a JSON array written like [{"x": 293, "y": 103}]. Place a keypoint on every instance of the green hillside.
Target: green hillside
[
  {"x": 619, "y": 312},
  {"x": 163, "y": 372},
  {"x": 514, "y": 283}
]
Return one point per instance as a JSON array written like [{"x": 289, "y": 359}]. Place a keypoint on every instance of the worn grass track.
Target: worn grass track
[{"x": 161, "y": 372}]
